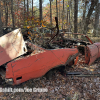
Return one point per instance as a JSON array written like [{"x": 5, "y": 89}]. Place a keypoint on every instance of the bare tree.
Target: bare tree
[
  {"x": 83, "y": 17},
  {"x": 40, "y": 7},
  {"x": 32, "y": 7},
  {"x": 6, "y": 11},
  {"x": 12, "y": 13},
  {"x": 56, "y": 9},
  {"x": 17, "y": 12},
  {"x": 24, "y": 10},
  {"x": 59, "y": 12},
  {"x": 27, "y": 7},
  {"x": 63, "y": 15},
  {"x": 96, "y": 18},
  {"x": 90, "y": 11},
  {"x": 50, "y": 13},
  {"x": 1, "y": 32},
  {"x": 75, "y": 15}
]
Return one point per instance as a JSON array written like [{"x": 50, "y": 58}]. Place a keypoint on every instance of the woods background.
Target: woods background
[{"x": 76, "y": 16}]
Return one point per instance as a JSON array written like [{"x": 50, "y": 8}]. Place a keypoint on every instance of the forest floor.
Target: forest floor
[{"x": 60, "y": 87}]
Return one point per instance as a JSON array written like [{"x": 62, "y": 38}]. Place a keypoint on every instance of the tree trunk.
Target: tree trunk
[
  {"x": 27, "y": 9},
  {"x": 7, "y": 17},
  {"x": 63, "y": 15},
  {"x": 1, "y": 31},
  {"x": 50, "y": 14},
  {"x": 24, "y": 10},
  {"x": 69, "y": 17},
  {"x": 6, "y": 12},
  {"x": 59, "y": 12},
  {"x": 75, "y": 15},
  {"x": 12, "y": 13},
  {"x": 96, "y": 19},
  {"x": 83, "y": 20},
  {"x": 93, "y": 4},
  {"x": 32, "y": 8},
  {"x": 40, "y": 7},
  {"x": 56, "y": 9}
]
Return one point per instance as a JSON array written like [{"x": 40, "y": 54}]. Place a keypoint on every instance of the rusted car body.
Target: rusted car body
[
  {"x": 90, "y": 50},
  {"x": 21, "y": 60},
  {"x": 38, "y": 63}
]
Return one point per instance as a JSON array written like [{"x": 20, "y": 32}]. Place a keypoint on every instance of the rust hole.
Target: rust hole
[{"x": 18, "y": 78}]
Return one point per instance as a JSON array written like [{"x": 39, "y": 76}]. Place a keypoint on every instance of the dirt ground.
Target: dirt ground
[{"x": 61, "y": 87}]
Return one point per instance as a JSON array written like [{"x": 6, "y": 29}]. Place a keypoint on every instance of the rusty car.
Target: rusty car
[{"x": 22, "y": 60}]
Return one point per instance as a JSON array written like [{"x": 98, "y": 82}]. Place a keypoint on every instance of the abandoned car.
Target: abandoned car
[
  {"x": 17, "y": 66},
  {"x": 22, "y": 60}
]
